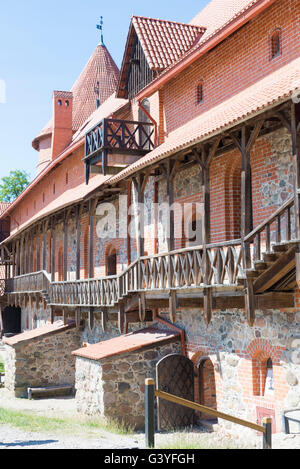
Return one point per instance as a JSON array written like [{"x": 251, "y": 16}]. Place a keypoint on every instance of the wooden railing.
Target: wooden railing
[
  {"x": 36, "y": 282},
  {"x": 278, "y": 228},
  {"x": 214, "y": 265},
  {"x": 151, "y": 393},
  {"x": 120, "y": 136}
]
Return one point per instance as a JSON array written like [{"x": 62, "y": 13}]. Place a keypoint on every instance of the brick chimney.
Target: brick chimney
[{"x": 62, "y": 121}]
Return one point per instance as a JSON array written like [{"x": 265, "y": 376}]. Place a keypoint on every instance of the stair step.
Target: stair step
[
  {"x": 270, "y": 257},
  {"x": 252, "y": 273},
  {"x": 280, "y": 248},
  {"x": 241, "y": 281},
  {"x": 261, "y": 266}
]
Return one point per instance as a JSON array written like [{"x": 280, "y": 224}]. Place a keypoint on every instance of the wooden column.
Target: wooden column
[
  {"x": 170, "y": 171},
  {"x": 244, "y": 144},
  {"x": 295, "y": 131},
  {"x": 65, "y": 244},
  {"x": 140, "y": 182},
  {"x": 30, "y": 266},
  {"x": 78, "y": 233},
  {"x": 44, "y": 248},
  {"x": 53, "y": 255},
  {"x": 92, "y": 209},
  {"x": 38, "y": 248}
]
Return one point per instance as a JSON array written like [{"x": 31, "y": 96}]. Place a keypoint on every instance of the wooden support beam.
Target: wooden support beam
[
  {"x": 295, "y": 121},
  {"x": 78, "y": 317},
  {"x": 78, "y": 214},
  {"x": 104, "y": 319},
  {"x": 53, "y": 253},
  {"x": 172, "y": 306},
  {"x": 65, "y": 316},
  {"x": 91, "y": 319},
  {"x": 92, "y": 209},
  {"x": 121, "y": 317},
  {"x": 142, "y": 307}
]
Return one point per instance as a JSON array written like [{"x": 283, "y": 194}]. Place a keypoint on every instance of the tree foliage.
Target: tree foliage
[{"x": 13, "y": 185}]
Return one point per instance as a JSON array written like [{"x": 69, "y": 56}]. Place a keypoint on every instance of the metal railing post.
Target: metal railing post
[
  {"x": 149, "y": 413},
  {"x": 267, "y": 436}
]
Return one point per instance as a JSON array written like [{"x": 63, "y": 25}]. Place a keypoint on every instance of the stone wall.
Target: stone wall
[
  {"x": 41, "y": 361},
  {"x": 114, "y": 387},
  {"x": 240, "y": 353}
]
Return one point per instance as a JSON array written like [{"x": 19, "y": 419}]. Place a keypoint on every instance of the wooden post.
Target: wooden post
[
  {"x": 53, "y": 249},
  {"x": 267, "y": 436},
  {"x": 65, "y": 247},
  {"x": 92, "y": 208},
  {"x": 78, "y": 233},
  {"x": 295, "y": 122},
  {"x": 38, "y": 249},
  {"x": 170, "y": 174},
  {"x": 121, "y": 317},
  {"x": 149, "y": 413}
]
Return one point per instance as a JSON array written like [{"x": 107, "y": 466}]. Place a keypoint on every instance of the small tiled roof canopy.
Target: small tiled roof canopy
[
  {"x": 100, "y": 68},
  {"x": 163, "y": 43},
  {"x": 128, "y": 343}
]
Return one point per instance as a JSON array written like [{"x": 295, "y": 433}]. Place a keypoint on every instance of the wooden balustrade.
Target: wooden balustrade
[
  {"x": 278, "y": 228},
  {"x": 200, "y": 267},
  {"x": 36, "y": 282}
]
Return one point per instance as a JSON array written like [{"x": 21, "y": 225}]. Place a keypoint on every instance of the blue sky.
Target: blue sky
[{"x": 45, "y": 45}]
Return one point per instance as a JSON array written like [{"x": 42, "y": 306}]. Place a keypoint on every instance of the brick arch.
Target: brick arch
[
  {"x": 259, "y": 352},
  {"x": 205, "y": 382},
  {"x": 111, "y": 260},
  {"x": 233, "y": 173}
]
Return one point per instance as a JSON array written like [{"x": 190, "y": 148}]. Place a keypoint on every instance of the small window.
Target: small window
[
  {"x": 67, "y": 103},
  {"x": 269, "y": 382},
  {"x": 43, "y": 197},
  {"x": 34, "y": 205},
  {"x": 200, "y": 93},
  {"x": 67, "y": 178},
  {"x": 54, "y": 188},
  {"x": 276, "y": 44},
  {"x": 59, "y": 102}
]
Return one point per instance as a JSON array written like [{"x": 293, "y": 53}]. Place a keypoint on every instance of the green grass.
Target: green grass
[
  {"x": 193, "y": 441},
  {"x": 81, "y": 426},
  {"x": 1, "y": 365}
]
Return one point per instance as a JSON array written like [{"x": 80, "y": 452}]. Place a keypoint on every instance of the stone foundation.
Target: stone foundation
[
  {"x": 114, "y": 387},
  {"x": 40, "y": 358}
]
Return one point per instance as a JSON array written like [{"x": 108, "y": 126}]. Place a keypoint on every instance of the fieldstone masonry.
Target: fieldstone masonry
[
  {"x": 43, "y": 360},
  {"x": 114, "y": 387}
]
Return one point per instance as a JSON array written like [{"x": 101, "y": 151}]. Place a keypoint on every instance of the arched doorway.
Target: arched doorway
[
  {"x": 207, "y": 386},
  {"x": 11, "y": 320}
]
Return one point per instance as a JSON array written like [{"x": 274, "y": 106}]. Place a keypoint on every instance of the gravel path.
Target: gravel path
[{"x": 13, "y": 438}]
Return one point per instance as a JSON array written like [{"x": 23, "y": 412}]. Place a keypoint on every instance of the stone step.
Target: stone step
[{"x": 261, "y": 266}]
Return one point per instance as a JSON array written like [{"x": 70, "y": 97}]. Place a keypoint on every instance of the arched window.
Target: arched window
[
  {"x": 111, "y": 263},
  {"x": 200, "y": 92},
  {"x": 276, "y": 44},
  {"x": 269, "y": 381}
]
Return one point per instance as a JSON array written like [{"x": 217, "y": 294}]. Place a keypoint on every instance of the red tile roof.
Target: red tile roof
[
  {"x": 47, "y": 330},
  {"x": 128, "y": 343},
  {"x": 100, "y": 68},
  {"x": 230, "y": 16},
  {"x": 218, "y": 13},
  {"x": 165, "y": 41},
  {"x": 278, "y": 86}
]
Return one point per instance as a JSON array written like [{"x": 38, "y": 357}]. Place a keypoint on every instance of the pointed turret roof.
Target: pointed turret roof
[{"x": 101, "y": 69}]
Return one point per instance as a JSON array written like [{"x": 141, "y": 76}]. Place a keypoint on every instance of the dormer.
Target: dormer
[{"x": 152, "y": 46}]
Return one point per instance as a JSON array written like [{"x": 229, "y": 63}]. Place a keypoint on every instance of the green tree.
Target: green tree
[{"x": 13, "y": 185}]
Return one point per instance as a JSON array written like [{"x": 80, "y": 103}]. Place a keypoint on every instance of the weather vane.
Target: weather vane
[{"x": 100, "y": 27}]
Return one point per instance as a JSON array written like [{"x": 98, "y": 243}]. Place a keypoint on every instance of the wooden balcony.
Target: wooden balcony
[
  {"x": 113, "y": 136},
  {"x": 262, "y": 266}
]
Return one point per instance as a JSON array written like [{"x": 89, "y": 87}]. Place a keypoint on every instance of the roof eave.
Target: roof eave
[{"x": 190, "y": 57}]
